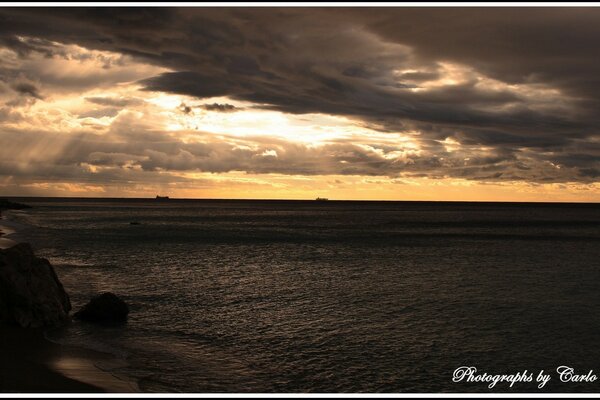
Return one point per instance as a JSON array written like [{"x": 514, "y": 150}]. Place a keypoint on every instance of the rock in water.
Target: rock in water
[
  {"x": 30, "y": 293},
  {"x": 105, "y": 308},
  {"x": 11, "y": 205}
]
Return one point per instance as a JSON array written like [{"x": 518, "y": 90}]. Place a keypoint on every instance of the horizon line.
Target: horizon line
[{"x": 297, "y": 199}]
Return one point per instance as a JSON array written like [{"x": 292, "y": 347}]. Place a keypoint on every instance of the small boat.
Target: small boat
[
  {"x": 321, "y": 199},
  {"x": 162, "y": 197}
]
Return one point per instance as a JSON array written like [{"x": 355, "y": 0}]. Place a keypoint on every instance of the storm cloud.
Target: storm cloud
[{"x": 490, "y": 94}]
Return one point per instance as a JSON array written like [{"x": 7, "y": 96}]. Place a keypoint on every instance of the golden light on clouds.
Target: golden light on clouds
[{"x": 78, "y": 121}]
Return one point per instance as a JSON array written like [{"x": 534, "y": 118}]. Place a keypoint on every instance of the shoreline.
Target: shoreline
[
  {"x": 32, "y": 363},
  {"x": 11, "y": 231},
  {"x": 5, "y": 231},
  {"x": 81, "y": 365},
  {"x": 24, "y": 369}
]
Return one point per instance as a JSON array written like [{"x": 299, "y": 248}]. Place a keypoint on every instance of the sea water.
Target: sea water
[{"x": 305, "y": 296}]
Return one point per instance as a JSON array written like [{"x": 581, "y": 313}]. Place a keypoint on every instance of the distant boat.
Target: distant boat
[
  {"x": 162, "y": 197},
  {"x": 321, "y": 199}
]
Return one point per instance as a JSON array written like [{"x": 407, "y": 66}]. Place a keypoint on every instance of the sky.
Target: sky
[{"x": 393, "y": 103}]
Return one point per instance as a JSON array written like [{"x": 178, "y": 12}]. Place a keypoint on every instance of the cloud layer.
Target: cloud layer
[{"x": 480, "y": 94}]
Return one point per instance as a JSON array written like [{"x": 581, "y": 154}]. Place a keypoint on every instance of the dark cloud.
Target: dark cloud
[
  {"x": 516, "y": 45},
  {"x": 27, "y": 89},
  {"x": 184, "y": 108},
  {"x": 115, "y": 101},
  {"x": 25, "y": 46},
  {"x": 590, "y": 172},
  {"x": 187, "y": 82},
  {"x": 528, "y": 85},
  {"x": 219, "y": 107}
]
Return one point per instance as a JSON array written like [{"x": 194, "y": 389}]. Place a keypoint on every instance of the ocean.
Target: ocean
[{"x": 336, "y": 296}]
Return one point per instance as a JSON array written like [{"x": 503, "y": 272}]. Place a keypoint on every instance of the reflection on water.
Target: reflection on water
[{"x": 242, "y": 296}]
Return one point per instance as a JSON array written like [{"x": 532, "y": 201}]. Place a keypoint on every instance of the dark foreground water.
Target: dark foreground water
[{"x": 276, "y": 296}]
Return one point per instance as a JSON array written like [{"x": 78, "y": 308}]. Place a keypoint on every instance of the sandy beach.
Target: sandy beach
[{"x": 32, "y": 364}]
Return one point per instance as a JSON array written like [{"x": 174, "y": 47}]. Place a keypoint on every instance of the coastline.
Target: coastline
[
  {"x": 81, "y": 365},
  {"x": 24, "y": 368},
  {"x": 31, "y": 363},
  {"x": 5, "y": 231}
]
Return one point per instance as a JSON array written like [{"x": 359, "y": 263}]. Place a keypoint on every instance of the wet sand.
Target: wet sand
[{"x": 32, "y": 364}]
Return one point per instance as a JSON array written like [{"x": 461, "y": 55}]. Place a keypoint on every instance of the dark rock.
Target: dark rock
[
  {"x": 30, "y": 293},
  {"x": 105, "y": 308},
  {"x": 11, "y": 205}
]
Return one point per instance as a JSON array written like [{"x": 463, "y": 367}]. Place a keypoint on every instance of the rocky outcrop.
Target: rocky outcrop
[
  {"x": 11, "y": 205},
  {"x": 30, "y": 293},
  {"x": 104, "y": 308}
]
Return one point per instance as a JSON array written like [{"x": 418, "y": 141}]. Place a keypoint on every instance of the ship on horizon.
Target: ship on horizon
[
  {"x": 162, "y": 197},
  {"x": 321, "y": 199}
]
